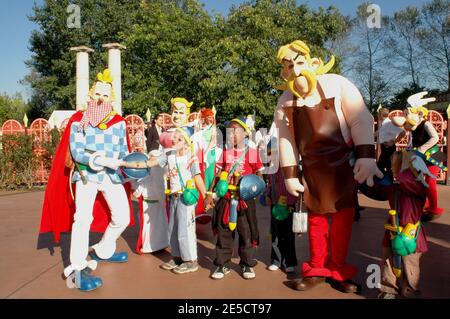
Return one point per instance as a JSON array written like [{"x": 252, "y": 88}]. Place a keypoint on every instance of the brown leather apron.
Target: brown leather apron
[{"x": 327, "y": 175}]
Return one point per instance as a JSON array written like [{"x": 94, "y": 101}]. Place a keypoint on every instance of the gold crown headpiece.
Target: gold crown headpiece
[{"x": 105, "y": 76}]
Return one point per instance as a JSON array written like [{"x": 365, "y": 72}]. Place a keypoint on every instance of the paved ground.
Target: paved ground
[{"x": 29, "y": 270}]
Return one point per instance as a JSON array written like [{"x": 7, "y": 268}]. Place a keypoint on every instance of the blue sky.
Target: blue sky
[{"x": 15, "y": 30}]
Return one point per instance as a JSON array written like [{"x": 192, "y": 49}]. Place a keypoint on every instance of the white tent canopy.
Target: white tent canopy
[{"x": 58, "y": 117}]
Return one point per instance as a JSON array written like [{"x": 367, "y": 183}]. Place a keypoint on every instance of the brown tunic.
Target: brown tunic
[{"x": 327, "y": 175}]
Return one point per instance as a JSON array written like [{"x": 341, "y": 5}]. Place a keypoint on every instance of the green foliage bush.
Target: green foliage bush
[
  {"x": 17, "y": 162},
  {"x": 50, "y": 147},
  {"x": 12, "y": 107}
]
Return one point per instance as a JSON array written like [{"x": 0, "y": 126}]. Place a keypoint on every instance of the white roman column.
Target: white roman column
[
  {"x": 114, "y": 65},
  {"x": 82, "y": 76}
]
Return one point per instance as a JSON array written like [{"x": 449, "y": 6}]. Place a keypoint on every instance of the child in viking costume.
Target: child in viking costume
[
  {"x": 94, "y": 143},
  {"x": 184, "y": 179},
  {"x": 404, "y": 241},
  {"x": 282, "y": 205},
  {"x": 207, "y": 153},
  {"x": 151, "y": 192},
  {"x": 233, "y": 210},
  {"x": 204, "y": 140},
  {"x": 208, "y": 143},
  {"x": 154, "y": 220},
  {"x": 424, "y": 139},
  {"x": 322, "y": 117}
]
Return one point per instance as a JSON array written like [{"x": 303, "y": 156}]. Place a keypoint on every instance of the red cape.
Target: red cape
[
  {"x": 202, "y": 217},
  {"x": 59, "y": 207},
  {"x": 200, "y": 210},
  {"x": 140, "y": 243}
]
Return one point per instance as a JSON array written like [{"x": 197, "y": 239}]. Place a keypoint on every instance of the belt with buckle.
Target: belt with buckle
[
  {"x": 84, "y": 167},
  {"x": 176, "y": 195},
  {"x": 151, "y": 201}
]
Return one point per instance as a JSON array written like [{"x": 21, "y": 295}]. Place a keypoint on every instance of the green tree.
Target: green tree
[
  {"x": 162, "y": 53},
  {"x": 434, "y": 40},
  {"x": 175, "y": 48},
  {"x": 404, "y": 42},
  {"x": 52, "y": 76},
  {"x": 226, "y": 62},
  {"x": 252, "y": 34},
  {"x": 399, "y": 100},
  {"x": 369, "y": 60},
  {"x": 12, "y": 107}
]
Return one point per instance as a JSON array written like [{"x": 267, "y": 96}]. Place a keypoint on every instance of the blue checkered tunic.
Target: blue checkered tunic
[{"x": 112, "y": 142}]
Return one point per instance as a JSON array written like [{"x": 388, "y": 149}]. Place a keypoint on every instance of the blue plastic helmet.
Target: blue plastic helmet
[
  {"x": 136, "y": 173},
  {"x": 251, "y": 186}
]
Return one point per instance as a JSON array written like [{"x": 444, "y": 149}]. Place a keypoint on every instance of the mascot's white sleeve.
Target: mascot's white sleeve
[
  {"x": 356, "y": 114},
  {"x": 286, "y": 140}
]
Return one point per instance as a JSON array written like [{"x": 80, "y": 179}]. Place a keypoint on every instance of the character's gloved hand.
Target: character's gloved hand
[
  {"x": 293, "y": 186},
  {"x": 365, "y": 169},
  {"x": 398, "y": 121},
  {"x": 97, "y": 161},
  {"x": 419, "y": 165},
  {"x": 154, "y": 153}
]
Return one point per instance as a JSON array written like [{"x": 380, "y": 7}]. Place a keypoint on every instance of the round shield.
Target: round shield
[
  {"x": 136, "y": 173},
  {"x": 251, "y": 186},
  {"x": 377, "y": 192}
]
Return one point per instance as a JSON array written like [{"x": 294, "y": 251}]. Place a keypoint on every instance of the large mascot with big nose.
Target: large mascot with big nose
[{"x": 322, "y": 117}]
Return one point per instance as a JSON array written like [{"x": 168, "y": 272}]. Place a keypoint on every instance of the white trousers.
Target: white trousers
[
  {"x": 117, "y": 200},
  {"x": 155, "y": 231},
  {"x": 183, "y": 238}
]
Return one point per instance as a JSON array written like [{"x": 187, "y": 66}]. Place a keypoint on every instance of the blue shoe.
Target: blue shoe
[
  {"x": 97, "y": 280},
  {"x": 86, "y": 281},
  {"x": 119, "y": 257}
]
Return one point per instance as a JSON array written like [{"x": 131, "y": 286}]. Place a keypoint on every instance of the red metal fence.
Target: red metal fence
[
  {"x": 12, "y": 127},
  {"x": 136, "y": 132},
  {"x": 40, "y": 130}
]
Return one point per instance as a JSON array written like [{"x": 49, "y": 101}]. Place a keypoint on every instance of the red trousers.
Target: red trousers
[
  {"x": 431, "y": 205},
  {"x": 328, "y": 246}
]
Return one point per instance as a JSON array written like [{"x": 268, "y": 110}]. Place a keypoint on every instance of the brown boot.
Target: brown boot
[
  {"x": 308, "y": 283},
  {"x": 346, "y": 286}
]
